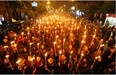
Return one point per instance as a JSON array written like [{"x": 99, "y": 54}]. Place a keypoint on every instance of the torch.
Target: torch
[
  {"x": 82, "y": 54},
  {"x": 46, "y": 58},
  {"x": 55, "y": 48}
]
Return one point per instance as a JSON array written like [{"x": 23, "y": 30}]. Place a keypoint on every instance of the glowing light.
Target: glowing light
[
  {"x": 27, "y": 28},
  {"x": 82, "y": 41},
  {"x": 102, "y": 45},
  {"x": 7, "y": 56},
  {"x": 18, "y": 61},
  {"x": 60, "y": 52},
  {"x": 97, "y": 57},
  {"x": 94, "y": 36},
  {"x": 73, "y": 8},
  {"x": 84, "y": 36},
  {"x": 54, "y": 42},
  {"x": 95, "y": 30},
  {"x": 12, "y": 42},
  {"x": 64, "y": 39},
  {"x": 82, "y": 54},
  {"x": 15, "y": 45},
  {"x": 31, "y": 43},
  {"x": 84, "y": 32},
  {"x": 72, "y": 0},
  {"x": 5, "y": 46},
  {"x": 57, "y": 36},
  {"x": 46, "y": 54},
  {"x": 22, "y": 33},
  {"x": 31, "y": 59},
  {"x": 34, "y": 4},
  {"x": 15, "y": 34},
  {"x": 33, "y": 27},
  {"x": 71, "y": 34},
  {"x": 33, "y": 37},
  {"x": 38, "y": 44},
  {"x": 48, "y": 2},
  {"x": 71, "y": 52}
]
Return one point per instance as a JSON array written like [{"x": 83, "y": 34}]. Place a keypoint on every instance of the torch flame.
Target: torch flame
[
  {"x": 18, "y": 61},
  {"x": 54, "y": 42},
  {"x": 7, "y": 56},
  {"x": 71, "y": 52},
  {"x": 46, "y": 54},
  {"x": 60, "y": 52}
]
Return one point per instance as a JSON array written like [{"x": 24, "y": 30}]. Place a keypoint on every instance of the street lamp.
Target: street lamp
[
  {"x": 34, "y": 4},
  {"x": 73, "y": 8},
  {"x": 73, "y": 12},
  {"x": 72, "y": 0},
  {"x": 48, "y": 2}
]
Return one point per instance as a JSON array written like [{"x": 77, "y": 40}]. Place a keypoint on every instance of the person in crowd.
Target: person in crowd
[
  {"x": 57, "y": 50},
  {"x": 39, "y": 66},
  {"x": 63, "y": 64}
]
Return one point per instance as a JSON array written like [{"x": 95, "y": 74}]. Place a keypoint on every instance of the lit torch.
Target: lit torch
[
  {"x": 18, "y": 61},
  {"x": 55, "y": 47},
  {"x": 5, "y": 47},
  {"x": 71, "y": 52},
  {"x": 12, "y": 42},
  {"x": 46, "y": 58},
  {"x": 97, "y": 57},
  {"x": 60, "y": 52},
  {"x": 30, "y": 47},
  {"x": 7, "y": 56},
  {"x": 63, "y": 42},
  {"x": 22, "y": 33},
  {"x": 82, "y": 54}
]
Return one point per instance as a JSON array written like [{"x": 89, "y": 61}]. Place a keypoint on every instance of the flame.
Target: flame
[
  {"x": 60, "y": 52},
  {"x": 71, "y": 52},
  {"x": 46, "y": 54},
  {"x": 102, "y": 45},
  {"x": 15, "y": 44},
  {"x": 5, "y": 46},
  {"x": 7, "y": 56},
  {"x": 97, "y": 57},
  {"x": 18, "y": 61},
  {"x": 54, "y": 42},
  {"x": 22, "y": 33}
]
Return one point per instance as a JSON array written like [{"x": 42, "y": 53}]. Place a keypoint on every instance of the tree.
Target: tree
[
  {"x": 33, "y": 12},
  {"x": 41, "y": 7},
  {"x": 16, "y": 7},
  {"x": 90, "y": 8},
  {"x": 108, "y": 7}
]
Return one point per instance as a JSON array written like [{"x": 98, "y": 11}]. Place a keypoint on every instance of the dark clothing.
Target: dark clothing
[
  {"x": 106, "y": 60},
  {"x": 40, "y": 70},
  {"x": 16, "y": 71},
  {"x": 98, "y": 68},
  {"x": 63, "y": 69},
  {"x": 6, "y": 69},
  {"x": 29, "y": 70}
]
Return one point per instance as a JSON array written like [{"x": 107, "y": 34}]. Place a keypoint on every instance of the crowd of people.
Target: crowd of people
[{"x": 48, "y": 46}]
